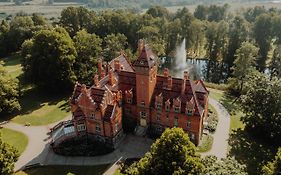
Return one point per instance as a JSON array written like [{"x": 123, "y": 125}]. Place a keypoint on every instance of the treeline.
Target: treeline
[{"x": 211, "y": 32}]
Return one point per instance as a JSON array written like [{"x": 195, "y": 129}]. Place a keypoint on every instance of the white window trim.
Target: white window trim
[
  {"x": 98, "y": 128},
  {"x": 81, "y": 127}
]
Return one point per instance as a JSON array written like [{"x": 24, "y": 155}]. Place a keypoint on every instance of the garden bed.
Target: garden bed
[{"x": 82, "y": 146}]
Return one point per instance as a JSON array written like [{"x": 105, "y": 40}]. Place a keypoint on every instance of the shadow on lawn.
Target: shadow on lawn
[{"x": 250, "y": 151}]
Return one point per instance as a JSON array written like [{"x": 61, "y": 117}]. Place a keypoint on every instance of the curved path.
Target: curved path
[
  {"x": 39, "y": 151},
  {"x": 221, "y": 135}
]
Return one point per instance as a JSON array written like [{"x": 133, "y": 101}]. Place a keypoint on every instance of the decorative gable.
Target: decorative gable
[{"x": 85, "y": 102}]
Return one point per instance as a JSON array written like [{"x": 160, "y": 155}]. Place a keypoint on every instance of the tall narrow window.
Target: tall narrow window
[
  {"x": 116, "y": 127},
  {"x": 176, "y": 122},
  {"x": 158, "y": 117},
  {"x": 177, "y": 109},
  {"x": 98, "y": 129},
  {"x": 188, "y": 125}
]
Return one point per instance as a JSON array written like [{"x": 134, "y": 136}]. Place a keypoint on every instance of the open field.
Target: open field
[
  {"x": 63, "y": 170},
  {"x": 14, "y": 138},
  {"x": 13, "y": 64},
  {"x": 37, "y": 108}
]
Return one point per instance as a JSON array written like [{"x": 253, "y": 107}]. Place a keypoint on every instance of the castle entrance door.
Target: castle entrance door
[{"x": 143, "y": 121}]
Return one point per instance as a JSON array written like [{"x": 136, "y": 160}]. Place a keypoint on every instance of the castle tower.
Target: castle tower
[{"x": 146, "y": 71}]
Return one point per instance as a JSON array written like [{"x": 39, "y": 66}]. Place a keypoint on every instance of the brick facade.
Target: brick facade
[{"x": 154, "y": 101}]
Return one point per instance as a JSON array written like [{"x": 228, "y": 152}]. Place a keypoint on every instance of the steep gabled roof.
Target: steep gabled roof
[{"x": 146, "y": 59}]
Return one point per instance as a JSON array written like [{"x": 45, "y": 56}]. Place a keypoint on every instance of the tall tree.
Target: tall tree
[
  {"x": 158, "y": 11},
  {"x": 8, "y": 157},
  {"x": 216, "y": 49},
  {"x": 9, "y": 92},
  {"x": 252, "y": 13},
  {"x": 275, "y": 64},
  {"x": 172, "y": 153},
  {"x": 228, "y": 165},
  {"x": 74, "y": 19},
  {"x": 244, "y": 65},
  {"x": 263, "y": 35},
  {"x": 261, "y": 105},
  {"x": 48, "y": 59},
  {"x": 238, "y": 33},
  {"x": 113, "y": 44},
  {"x": 274, "y": 167},
  {"x": 20, "y": 30},
  {"x": 4, "y": 30},
  {"x": 88, "y": 47},
  {"x": 217, "y": 13},
  {"x": 201, "y": 12}
]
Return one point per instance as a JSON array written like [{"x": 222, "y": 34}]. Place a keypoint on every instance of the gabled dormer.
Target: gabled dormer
[
  {"x": 177, "y": 105},
  {"x": 158, "y": 102},
  {"x": 129, "y": 96},
  {"x": 85, "y": 102},
  {"x": 168, "y": 105},
  {"x": 189, "y": 109}
]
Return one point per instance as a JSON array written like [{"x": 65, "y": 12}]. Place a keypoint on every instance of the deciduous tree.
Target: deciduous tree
[{"x": 172, "y": 153}]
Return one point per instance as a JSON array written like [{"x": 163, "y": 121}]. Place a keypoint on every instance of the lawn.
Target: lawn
[
  {"x": 37, "y": 108},
  {"x": 13, "y": 64},
  {"x": 63, "y": 170},
  {"x": 14, "y": 138},
  {"x": 233, "y": 108},
  {"x": 206, "y": 143}
]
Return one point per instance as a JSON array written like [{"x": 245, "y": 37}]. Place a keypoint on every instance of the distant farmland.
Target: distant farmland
[{"x": 49, "y": 11}]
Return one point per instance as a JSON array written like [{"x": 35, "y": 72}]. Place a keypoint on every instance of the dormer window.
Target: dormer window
[
  {"x": 159, "y": 106},
  {"x": 92, "y": 116},
  {"x": 189, "y": 112},
  {"x": 177, "y": 109},
  {"x": 141, "y": 62},
  {"x": 167, "y": 108},
  {"x": 129, "y": 100}
]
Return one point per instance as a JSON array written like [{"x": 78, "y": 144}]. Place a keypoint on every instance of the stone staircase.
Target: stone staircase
[{"x": 140, "y": 130}]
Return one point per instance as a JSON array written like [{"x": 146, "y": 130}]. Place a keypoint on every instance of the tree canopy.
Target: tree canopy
[
  {"x": 8, "y": 157},
  {"x": 172, "y": 153},
  {"x": 9, "y": 92},
  {"x": 48, "y": 59}
]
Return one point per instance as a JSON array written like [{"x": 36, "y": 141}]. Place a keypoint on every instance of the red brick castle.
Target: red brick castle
[{"x": 136, "y": 91}]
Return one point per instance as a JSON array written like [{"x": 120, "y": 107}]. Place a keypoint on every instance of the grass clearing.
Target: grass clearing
[
  {"x": 206, "y": 143},
  {"x": 14, "y": 138},
  {"x": 12, "y": 64},
  {"x": 64, "y": 170},
  {"x": 37, "y": 108}
]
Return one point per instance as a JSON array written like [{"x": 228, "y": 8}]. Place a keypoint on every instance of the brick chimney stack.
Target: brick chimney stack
[
  {"x": 102, "y": 74},
  {"x": 111, "y": 79},
  {"x": 100, "y": 67},
  {"x": 166, "y": 72},
  {"x": 96, "y": 81},
  {"x": 170, "y": 82},
  {"x": 185, "y": 75},
  {"x": 117, "y": 65}
]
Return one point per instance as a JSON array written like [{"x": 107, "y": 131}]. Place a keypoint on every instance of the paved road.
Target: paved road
[
  {"x": 221, "y": 135},
  {"x": 38, "y": 150}
]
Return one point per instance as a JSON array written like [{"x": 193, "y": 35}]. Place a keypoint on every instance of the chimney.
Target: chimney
[
  {"x": 96, "y": 81},
  {"x": 100, "y": 67},
  {"x": 102, "y": 74},
  {"x": 185, "y": 75},
  {"x": 117, "y": 65},
  {"x": 111, "y": 79},
  {"x": 170, "y": 82},
  {"x": 140, "y": 46},
  {"x": 166, "y": 72}
]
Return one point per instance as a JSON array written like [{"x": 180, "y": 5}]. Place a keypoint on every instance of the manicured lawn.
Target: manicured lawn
[
  {"x": 13, "y": 64},
  {"x": 233, "y": 108},
  {"x": 37, "y": 108},
  {"x": 14, "y": 138},
  {"x": 63, "y": 170},
  {"x": 206, "y": 143}
]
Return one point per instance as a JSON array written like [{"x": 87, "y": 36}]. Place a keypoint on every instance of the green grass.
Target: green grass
[
  {"x": 13, "y": 64},
  {"x": 233, "y": 108},
  {"x": 63, "y": 170},
  {"x": 37, "y": 108},
  {"x": 14, "y": 138},
  {"x": 206, "y": 143}
]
